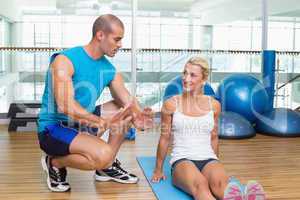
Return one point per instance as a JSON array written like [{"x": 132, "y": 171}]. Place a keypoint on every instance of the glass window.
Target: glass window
[
  {"x": 1, "y": 44},
  {"x": 3, "y": 99},
  {"x": 282, "y": 30}
]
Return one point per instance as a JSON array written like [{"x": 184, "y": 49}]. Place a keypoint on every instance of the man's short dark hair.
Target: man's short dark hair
[{"x": 104, "y": 22}]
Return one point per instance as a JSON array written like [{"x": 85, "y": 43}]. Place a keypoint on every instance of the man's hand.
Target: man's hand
[
  {"x": 121, "y": 121},
  {"x": 121, "y": 114},
  {"x": 144, "y": 119},
  {"x": 98, "y": 127}
]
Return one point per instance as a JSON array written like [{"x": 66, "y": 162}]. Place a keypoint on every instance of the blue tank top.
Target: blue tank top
[{"x": 89, "y": 79}]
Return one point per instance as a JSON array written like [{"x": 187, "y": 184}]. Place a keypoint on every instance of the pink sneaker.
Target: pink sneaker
[
  {"x": 233, "y": 191},
  {"x": 254, "y": 191}
]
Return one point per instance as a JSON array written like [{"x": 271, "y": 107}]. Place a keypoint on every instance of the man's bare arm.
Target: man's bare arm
[
  {"x": 62, "y": 72},
  {"x": 142, "y": 118}
]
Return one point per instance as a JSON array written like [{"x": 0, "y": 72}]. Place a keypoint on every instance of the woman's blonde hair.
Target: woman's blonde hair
[{"x": 201, "y": 62}]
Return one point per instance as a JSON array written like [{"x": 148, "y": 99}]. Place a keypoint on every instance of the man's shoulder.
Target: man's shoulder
[
  {"x": 71, "y": 50},
  {"x": 66, "y": 53}
]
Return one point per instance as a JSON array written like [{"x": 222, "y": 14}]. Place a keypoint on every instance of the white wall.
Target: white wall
[
  {"x": 226, "y": 11},
  {"x": 10, "y": 10}
]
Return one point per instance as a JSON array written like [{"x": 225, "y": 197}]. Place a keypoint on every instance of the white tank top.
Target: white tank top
[{"x": 192, "y": 136}]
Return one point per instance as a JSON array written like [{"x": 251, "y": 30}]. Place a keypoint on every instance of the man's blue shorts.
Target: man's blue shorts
[{"x": 55, "y": 140}]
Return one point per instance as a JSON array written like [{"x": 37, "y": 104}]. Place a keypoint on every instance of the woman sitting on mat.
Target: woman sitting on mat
[{"x": 192, "y": 120}]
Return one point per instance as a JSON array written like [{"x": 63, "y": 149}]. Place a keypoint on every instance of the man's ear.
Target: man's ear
[{"x": 100, "y": 35}]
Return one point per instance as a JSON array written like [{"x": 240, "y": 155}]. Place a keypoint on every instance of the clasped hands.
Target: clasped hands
[{"x": 128, "y": 116}]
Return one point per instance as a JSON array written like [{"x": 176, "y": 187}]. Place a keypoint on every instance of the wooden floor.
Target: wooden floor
[{"x": 275, "y": 162}]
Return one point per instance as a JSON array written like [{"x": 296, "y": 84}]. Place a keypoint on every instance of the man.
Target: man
[{"x": 70, "y": 125}]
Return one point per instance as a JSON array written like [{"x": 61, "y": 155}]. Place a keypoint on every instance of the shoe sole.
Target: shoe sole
[
  {"x": 237, "y": 181},
  {"x": 228, "y": 195},
  {"x": 45, "y": 168},
  {"x": 255, "y": 195},
  {"x": 105, "y": 179}
]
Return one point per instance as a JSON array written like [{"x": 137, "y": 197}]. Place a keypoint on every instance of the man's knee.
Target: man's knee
[
  {"x": 102, "y": 158},
  {"x": 109, "y": 108}
]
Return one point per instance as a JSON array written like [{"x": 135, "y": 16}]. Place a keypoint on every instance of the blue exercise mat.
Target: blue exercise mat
[{"x": 164, "y": 190}]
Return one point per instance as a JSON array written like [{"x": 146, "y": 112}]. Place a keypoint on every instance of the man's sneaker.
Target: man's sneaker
[
  {"x": 56, "y": 178},
  {"x": 115, "y": 173},
  {"x": 233, "y": 191},
  {"x": 254, "y": 191}
]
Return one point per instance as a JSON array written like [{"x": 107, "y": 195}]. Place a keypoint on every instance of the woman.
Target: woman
[{"x": 192, "y": 120}]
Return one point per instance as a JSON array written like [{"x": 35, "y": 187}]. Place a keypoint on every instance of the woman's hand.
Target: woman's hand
[{"x": 157, "y": 176}]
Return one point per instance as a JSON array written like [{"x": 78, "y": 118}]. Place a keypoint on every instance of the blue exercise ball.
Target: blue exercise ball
[
  {"x": 234, "y": 126},
  {"x": 279, "y": 122},
  {"x": 243, "y": 94},
  {"x": 175, "y": 88}
]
